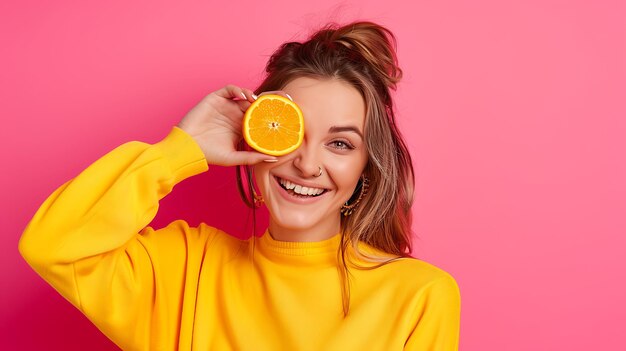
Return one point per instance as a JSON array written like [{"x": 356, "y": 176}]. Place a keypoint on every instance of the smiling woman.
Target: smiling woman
[
  {"x": 333, "y": 271},
  {"x": 330, "y": 162}
]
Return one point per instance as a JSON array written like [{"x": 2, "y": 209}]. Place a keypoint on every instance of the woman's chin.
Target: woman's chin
[
  {"x": 303, "y": 223},
  {"x": 288, "y": 220}
]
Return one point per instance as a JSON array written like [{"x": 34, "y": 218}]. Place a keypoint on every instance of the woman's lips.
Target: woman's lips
[{"x": 292, "y": 196}]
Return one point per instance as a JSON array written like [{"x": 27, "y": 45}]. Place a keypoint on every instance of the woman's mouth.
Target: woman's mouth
[{"x": 300, "y": 191}]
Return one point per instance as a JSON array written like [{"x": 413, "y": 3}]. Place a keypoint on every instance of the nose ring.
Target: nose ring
[{"x": 320, "y": 172}]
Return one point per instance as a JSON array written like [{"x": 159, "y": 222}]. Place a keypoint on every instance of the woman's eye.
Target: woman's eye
[{"x": 343, "y": 145}]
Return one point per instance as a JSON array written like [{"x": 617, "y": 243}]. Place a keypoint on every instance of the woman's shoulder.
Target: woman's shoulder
[
  {"x": 411, "y": 271},
  {"x": 421, "y": 280},
  {"x": 412, "y": 266}
]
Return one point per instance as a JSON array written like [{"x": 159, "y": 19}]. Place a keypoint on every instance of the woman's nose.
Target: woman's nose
[{"x": 306, "y": 160}]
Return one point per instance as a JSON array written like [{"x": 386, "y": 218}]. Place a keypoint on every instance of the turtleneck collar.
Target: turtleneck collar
[
  {"x": 305, "y": 253},
  {"x": 300, "y": 248}
]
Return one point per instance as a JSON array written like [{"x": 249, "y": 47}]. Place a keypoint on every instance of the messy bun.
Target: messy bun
[
  {"x": 360, "y": 45},
  {"x": 362, "y": 54}
]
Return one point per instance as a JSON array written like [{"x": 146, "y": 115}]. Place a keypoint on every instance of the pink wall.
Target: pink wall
[{"x": 514, "y": 111}]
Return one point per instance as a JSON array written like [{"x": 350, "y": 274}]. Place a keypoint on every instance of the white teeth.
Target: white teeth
[
  {"x": 289, "y": 185},
  {"x": 299, "y": 189}
]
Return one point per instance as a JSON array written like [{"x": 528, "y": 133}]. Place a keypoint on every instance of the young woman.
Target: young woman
[{"x": 332, "y": 271}]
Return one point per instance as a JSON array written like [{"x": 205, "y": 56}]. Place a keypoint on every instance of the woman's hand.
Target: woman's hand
[{"x": 215, "y": 124}]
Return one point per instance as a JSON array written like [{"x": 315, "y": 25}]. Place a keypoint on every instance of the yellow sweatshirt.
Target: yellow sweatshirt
[{"x": 186, "y": 288}]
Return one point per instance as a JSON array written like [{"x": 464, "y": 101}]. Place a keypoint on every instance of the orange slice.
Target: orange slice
[{"x": 273, "y": 125}]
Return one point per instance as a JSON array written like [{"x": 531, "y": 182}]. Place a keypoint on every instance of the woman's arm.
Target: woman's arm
[
  {"x": 90, "y": 242},
  {"x": 89, "y": 239}
]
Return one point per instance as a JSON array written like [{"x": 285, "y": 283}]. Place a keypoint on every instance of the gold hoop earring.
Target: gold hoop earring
[
  {"x": 258, "y": 199},
  {"x": 362, "y": 187}
]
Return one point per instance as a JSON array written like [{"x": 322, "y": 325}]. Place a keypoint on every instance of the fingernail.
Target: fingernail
[
  {"x": 289, "y": 97},
  {"x": 244, "y": 96},
  {"x": 271, "y": 160},
  {"x": 254, "y": 97}
]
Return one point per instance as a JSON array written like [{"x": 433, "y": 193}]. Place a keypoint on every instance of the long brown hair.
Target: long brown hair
[{"x": 362, "y": 54}]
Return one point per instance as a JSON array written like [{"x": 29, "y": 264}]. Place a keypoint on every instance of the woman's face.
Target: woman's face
[{"x": 334, "y": 122}]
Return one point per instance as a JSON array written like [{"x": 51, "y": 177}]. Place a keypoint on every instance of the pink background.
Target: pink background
[{"x": 514, "y": 112}]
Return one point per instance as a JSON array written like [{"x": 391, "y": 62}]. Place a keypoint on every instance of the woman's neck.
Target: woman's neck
[{"x": 318, "y": 233}]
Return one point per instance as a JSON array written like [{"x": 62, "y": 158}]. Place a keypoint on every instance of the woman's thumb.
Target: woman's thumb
[{"x": 251, "y": 158}]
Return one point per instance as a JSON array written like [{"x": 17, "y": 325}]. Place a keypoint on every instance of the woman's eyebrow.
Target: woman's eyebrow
[{"x": 338, "y": 129}]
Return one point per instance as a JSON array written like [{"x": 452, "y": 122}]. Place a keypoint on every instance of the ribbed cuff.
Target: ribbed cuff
[{"x": 183, "y": 154}]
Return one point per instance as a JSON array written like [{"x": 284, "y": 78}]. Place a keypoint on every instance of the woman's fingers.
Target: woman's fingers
[
  {"x": 232, "y": 91},
  {"x": 251, "y": 158},
  {"x": 249, "y": 94},
  {"x": 243, "y": 105},
  {"x": 242, "y": 96}
]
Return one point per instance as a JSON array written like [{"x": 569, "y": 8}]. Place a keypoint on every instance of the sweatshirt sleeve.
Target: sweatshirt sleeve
[
  {"x": 439, "y": 317},
  {"x": 89, "y": 240}
]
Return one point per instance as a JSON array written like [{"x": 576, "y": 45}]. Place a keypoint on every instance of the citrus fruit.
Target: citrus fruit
[{"x": 273, "y": 125}]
